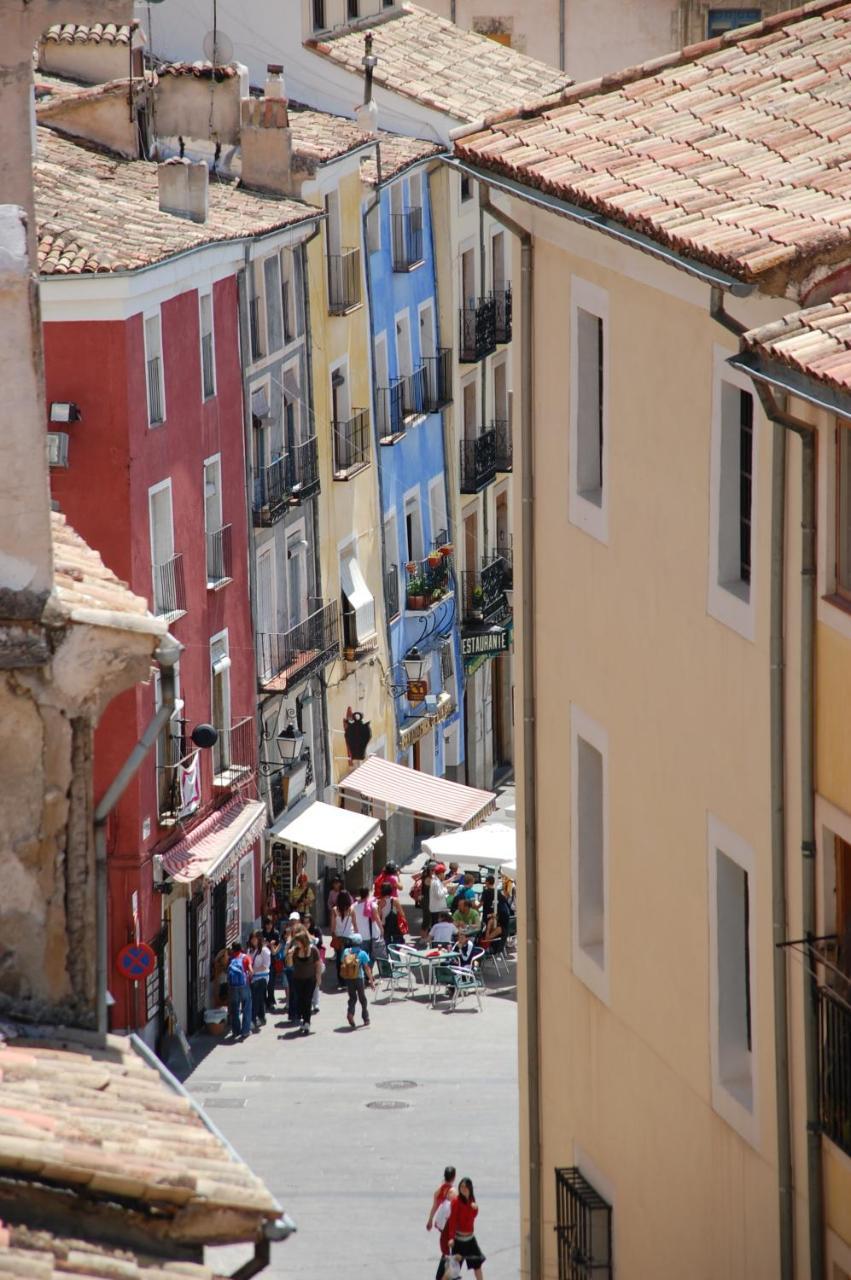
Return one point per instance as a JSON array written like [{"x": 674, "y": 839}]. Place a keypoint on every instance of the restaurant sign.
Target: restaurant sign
[{"x": 476, "y": 644}]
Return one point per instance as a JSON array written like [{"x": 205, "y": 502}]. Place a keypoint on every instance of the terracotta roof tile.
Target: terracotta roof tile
[
  {"x": 97, "y": 33},
  {"x": 737, "y": 151},
  {"x": 397, "y": 154},
  {"x": 83, "y": 586},
  {"x": 97, "y": 212},
  {"x": 42, "y": 1255},
  {"x": 458, "y": 72},
  {"x": 75, "y": 1116},
  {"x": 815, "y": 342},
  {"x": 318, "y": 136}
]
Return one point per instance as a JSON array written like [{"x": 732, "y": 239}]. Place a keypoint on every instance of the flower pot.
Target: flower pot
[
  {"x": 416, "y": 602},
  {"x": 434, "y": 559},
  {"x": 350, "y": 654},
  {"x": 446, "y": 551}
]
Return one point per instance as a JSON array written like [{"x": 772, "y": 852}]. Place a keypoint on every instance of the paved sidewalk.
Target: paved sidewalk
[{"x": 357, "y": 1177}]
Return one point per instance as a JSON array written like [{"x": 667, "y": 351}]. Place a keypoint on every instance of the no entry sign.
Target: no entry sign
[{"x": 136, "y": 961}]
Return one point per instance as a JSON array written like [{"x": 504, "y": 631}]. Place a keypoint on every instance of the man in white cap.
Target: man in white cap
[
  {"x": 355, "y": 970},
  {"x": 293, "y": 920}
]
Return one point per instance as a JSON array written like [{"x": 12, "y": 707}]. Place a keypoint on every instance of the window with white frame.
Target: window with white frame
[
  {"x": 154, "y": 369},
  {"x": 392, "y": 560},
  {"x": 208, "y": 350},
  {"x": 731, "y": 978},
  {"x": 171, "y": 748},
  {"x": 732, "y": 499},
  {"x": 166, "y": 567},
  {"x": 413, "y": 528},
  {"x": 274, "y": 303},
  {"x": 358, "y": 601},
  {"x": 588, "y": 437},
  {"x": 297, "y": 583},
  {"x": 267, "y": 596},
  {"x": 220, "y": 699},
  {"x": 217, "y": 533},
  {"x": 589, "y": 852},
  {"x": 438, "y": 522},
  {"x": 256, "y": 314}
]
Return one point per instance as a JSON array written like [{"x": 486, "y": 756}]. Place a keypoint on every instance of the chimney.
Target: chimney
[
  {"x": 184, "y": 187},
  {"x": 367, "y": 113},
  {"x": 266, "y": 138}
]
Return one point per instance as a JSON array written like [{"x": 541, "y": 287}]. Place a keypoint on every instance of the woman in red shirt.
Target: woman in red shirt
[{"x": 460, "y": 1228}]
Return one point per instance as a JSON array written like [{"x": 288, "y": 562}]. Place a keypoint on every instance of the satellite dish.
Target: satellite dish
[{"x": 218, "y": 48}]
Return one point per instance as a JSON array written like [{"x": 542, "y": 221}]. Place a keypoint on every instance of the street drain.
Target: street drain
[
  {"x": 388, "y": 1105},
  {"x": 396, "y": 1084}
]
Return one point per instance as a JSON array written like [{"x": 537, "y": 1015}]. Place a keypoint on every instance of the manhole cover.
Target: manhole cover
[
  {"x": 396, "y": 1084},
  {"x": 258, "y": 1079},
  {"x": 231, "y": 1103},
  {"x": 209, "y": 1087},
  {"x": 388, "y": 1105}
]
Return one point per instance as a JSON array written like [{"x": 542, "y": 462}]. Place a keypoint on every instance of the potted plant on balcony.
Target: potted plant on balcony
[
  {"x": 434, "y": 559},
  {"x": 416, "y": 592},
  {"x": 477, "y": 600},
  {"x": 446, "y": 550}
]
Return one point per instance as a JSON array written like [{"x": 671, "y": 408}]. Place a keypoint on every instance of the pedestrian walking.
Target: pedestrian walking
[
  {"x": 460, "y": 1229},
  {"x": 356, "y": 971},
  {"x": 342, "y": 928},
  {"x": 441, "y": 1207},
  {"x": 239, "y": 992},
  {"x": 307, "y": 968},
  {"x": 334, "y": 891},
  {"x": 388, "y": 875},
  {"x": 391, "y": 917},
  {"x": 261, "y": 966},
  {"x": 293, "y": 923},
  {"x": 316, "y": 934},
  {"x": 272, "y": 938},
  {"x": 366, "y": 919}
]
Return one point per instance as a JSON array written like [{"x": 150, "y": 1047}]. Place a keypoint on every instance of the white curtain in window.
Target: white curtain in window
[{"x": 359, "y": 597}]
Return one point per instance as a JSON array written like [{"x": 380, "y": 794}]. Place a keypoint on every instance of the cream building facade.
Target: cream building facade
[{"x": 673, "y": 1111}]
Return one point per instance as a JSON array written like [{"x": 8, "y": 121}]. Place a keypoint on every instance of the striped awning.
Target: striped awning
[
  {"x": 217, "y": 843},
  {"x": 419, "y": 793}
]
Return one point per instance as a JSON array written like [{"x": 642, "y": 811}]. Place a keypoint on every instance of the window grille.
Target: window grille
[{"x": 583, "y": 1229}]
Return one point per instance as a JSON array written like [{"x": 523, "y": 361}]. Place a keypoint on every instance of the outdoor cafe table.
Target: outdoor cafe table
[{"x": 434, "y": 957}]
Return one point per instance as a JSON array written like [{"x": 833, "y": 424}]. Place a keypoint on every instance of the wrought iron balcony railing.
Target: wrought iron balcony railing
[
  {"x": 583, "y": 1229},
  {"x": 407, "y": 239},
  {"x": 502, "y": 298},
  {"x": 343, "y": 281},
  {"x": 351, "y": 445},
  {"x": 286, "y": 482},
  {"x": 207, "y": 371},
  {"x": 414, "y": 393},
  {"x": 428, "y": 581},
  {"x": 478, "y": 462},
  {"x": 254, "y": 328},
  {"x": 179, "y": 783},
  {"x": 483, "y": 592},
  {"x": 169, "y": 588},
  {"x": 155, "y": 390},
  {"x": 391, "y": 591},
  {"x": 388, "y": 407},
  {"x": 219, "y": 557},
  {"x": 438, "y": 391},
  {"x": 835, "y": 1064},
  {"x": 235, "y": 754},
  {"x": 504, "y": 445},
  {"x": 285, "y": 659},
  {"x": 478, "y": 331}
]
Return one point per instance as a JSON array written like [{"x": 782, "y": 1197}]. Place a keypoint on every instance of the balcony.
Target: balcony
[
  {"x": 219, "y": 557},
  {"x": 407, "y": 239},
  {"x": 478, "y": 331},
  {"x": 478, "y": 462},
  {"x": 504, "y": 445},
  {"x": 483, "y": 597},
  {"x": 343, "y": 281},
  {"x": 388, "y": 407},
  {"x": 414, "y": 394},
  {"x": 834, "y": 1075},
  {"x": 235, "y": 755},
  {"x": 438, "y": 391},
  {"x": 391, "y": 591},
  {"x": 502, "y": 298},
  {"x": 169, "y": 588},
  {"x": 429, "y": 581},
  {"x": 254, "y": 328},
  {"x": 285, "y": 659},
  {"x": 179, "y": 791},
  {"x": 285, "y": 483},
  {"x": 351, "y": 445}
]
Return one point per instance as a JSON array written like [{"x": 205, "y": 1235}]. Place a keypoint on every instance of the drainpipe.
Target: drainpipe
[
  {"x": 167, "y": 655},
  {"x": 779, "y": 909},
  {"x": 562, "y": 52},
  {"x": 530, "y": 816}
]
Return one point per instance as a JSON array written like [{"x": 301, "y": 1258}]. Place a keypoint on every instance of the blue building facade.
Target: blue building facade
[{"x": 412, "y": 383}]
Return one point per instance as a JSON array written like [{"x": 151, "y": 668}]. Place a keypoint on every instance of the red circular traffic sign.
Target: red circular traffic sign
[{"x": 136, "y": 961}]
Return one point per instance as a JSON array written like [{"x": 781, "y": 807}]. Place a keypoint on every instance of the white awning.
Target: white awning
[
  {"x": 323, "y": 828},
  {"x": 359, "y": 597},
  {"x": 422, "y": 793},
  {"x": 492, "y": 845}
]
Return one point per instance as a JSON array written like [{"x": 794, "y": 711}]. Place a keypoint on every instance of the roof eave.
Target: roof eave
[
  {"x": 804, "y": 386},
  {"x": 609, "y": 226}
]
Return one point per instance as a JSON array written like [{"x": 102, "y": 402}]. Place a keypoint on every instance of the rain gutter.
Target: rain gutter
[{"x": 600, "y": 222}]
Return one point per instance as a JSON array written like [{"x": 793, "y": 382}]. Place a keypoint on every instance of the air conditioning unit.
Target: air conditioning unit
[{"x": 57, "y": 448}]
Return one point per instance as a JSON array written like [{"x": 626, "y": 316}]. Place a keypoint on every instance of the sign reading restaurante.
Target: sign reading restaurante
[{"x": 476, "y": 643}]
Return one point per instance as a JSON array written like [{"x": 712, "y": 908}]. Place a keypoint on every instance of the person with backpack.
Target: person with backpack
[
  {"x": 260, "y": 956},
  {"x": 303, "y": 956},
  {"x": 239, "y": 992},
  {"x": 356, "y": 970}
]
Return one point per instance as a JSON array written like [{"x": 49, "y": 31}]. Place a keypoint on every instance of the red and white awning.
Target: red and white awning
[
  {"x": 420, "y": 793},
  {"x": 217, "y": 843}
]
